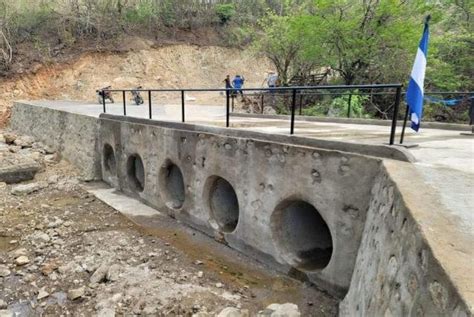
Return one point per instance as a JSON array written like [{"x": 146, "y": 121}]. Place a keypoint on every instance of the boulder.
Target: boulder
[
  {"x": 77, "y": 293},
  {"x": 25, "y": 189},
  {"x": 113, "y": 273},
  {"x": 6, "y": 313},
  {"x": 280, "y": 310},
  {"x": 9, "y": 137},
  {"x": 4, "y": 271},
  {"x": 16, "y": 168},
  {"x": 100, "y": 274},
  {"x": 24, "y": 141},
  {"x": 22, "y": 260},
  {"x": 233, "y": 312}
]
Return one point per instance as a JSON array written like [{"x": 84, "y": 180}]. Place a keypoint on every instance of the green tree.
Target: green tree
[
  {"x": 365, "y": 41},
  {"x": 283, "y": 41}
]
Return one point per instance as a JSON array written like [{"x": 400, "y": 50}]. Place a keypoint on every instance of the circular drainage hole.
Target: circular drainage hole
[
  {"x": 136, "y": 172},
  {"x": 172, "y": 184},
  {"x": 302, "y": 234},
  {"x": 223, "y": 204},
  {"x": 109, "y": 159}
]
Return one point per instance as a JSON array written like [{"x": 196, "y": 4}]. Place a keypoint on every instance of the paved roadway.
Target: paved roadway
[{"x": 445, "y": 158}]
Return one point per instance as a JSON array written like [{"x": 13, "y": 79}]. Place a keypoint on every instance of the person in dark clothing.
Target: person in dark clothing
[{"x": 227, "y": 82}]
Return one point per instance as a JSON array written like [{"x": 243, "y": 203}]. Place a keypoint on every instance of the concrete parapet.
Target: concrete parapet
[
  {"x": 376, "y": 150},
  {"x": 74, "y": 136}
]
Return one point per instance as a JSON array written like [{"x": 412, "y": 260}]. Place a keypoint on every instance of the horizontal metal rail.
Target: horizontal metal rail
[
  {"x": 301, "y": 90},
  {"x": 328, "y": 87}
]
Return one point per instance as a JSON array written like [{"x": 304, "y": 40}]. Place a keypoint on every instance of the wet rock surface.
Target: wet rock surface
[{"x": 64, "y": 252}]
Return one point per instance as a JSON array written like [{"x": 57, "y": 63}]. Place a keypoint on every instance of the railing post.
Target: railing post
[
  {"x": 349, "y": 106},
  {"x": 402, "y": 136},
  {"x": 301, "y": 103},
  {"x": 149, "y": 105},
  {"x": 395, "y": 115},
  {"x": 182, "y": 106},
  {"x": 124, "y": 103},
  {"x": 263, "y": 95},
  {"x": 293, "y": 108},
  {"x": 103, "y": 100},
  {"x": 227, "y": 97}
]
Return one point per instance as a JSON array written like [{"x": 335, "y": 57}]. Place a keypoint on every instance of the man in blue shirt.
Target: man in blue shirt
[{"x": 238, "y": 83}]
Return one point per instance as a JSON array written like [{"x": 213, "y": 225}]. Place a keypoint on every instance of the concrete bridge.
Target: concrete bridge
[{"x": 361, "y": 220}]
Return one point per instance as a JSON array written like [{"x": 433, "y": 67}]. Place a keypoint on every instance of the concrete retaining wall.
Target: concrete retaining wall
[
  {"x": 267, "y": 216},
  {"x": 74, "y": 136},
  {"x": 397, "y": 272}
]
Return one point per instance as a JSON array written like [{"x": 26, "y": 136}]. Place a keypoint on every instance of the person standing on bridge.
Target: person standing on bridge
[
  {"x": 238, "y": 83},
  {"x": 271, "y": 80},
  {"x": 227, "y": 82}
]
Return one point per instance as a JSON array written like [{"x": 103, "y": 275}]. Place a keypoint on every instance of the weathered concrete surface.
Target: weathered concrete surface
[
  {"x": 377, "y": 150},
  {"x": 412, "y": 260},
  {"x": 75, "y": 137},
  {"x": 264, "y": 175},
  {"x": 118, "y": 201}
]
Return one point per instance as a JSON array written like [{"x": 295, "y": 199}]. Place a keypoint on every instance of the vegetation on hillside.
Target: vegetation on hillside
[
  {"x": 44, "y": 29},
  {"x": 362, "y": 41}
]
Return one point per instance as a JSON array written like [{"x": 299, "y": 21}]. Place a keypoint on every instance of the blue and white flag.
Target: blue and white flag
[{"x": 415, "y": 89}]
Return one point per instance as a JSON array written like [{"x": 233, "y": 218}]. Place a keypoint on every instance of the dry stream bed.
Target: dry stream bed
[{"x": 64, "y": 252}]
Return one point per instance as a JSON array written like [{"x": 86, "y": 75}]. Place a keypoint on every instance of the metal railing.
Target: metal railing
[{"x": 291, "y": 92}]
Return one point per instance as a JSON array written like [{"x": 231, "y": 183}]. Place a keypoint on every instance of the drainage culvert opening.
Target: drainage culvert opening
[
  {"x": 109, "y": 159},
  {"x": 223, "y": 204},
  {"x": 302, "y": 234},
  {"x": 172, "y": 184},
  {"x": 136, "y": 172}
]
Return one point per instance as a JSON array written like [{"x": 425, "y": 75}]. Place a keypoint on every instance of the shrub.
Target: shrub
[
  {"x": 338, "y": 107},
  {"x": 225, "y": 12},
  {"x": 140, "y": 14}
]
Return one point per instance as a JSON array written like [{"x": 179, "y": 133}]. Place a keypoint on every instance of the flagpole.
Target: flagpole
[
  {"x": 402, "y": 136},
  {"x": 404, "y": 124}
]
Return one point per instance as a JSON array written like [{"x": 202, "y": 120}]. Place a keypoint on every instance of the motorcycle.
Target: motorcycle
[
  {"x": 104, "y": 95},
  {"x": 137, "y": 98}
]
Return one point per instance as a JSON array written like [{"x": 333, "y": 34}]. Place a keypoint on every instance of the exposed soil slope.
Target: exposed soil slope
[{"x": 173, "y": 66}]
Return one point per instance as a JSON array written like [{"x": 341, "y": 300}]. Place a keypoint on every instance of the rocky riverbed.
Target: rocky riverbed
[{"x": 63, "y": 252}]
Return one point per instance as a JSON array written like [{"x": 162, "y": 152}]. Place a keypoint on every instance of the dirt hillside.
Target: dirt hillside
[{"x": 173, "y": 66}]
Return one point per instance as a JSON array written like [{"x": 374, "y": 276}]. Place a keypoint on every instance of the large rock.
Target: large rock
[
  {"x": 24, "y": 141},
  {"x": 25, "y": 189},
  {"x": 77, "y": 293},
  {"x": 100, "y": 274},
  {"x": 113, "y": 273},
  {"x": 6, "y": 313},
  {"x": 22, "y": 260},
  {"x": 280, "y": 310},
  {"x": 17, "y": 168},
  {"x": 4, "y": 271},
  {"x": 233, "y": 312},
  {"x": 9, "y": 137},
  {"x": 269, "y": 110}
]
